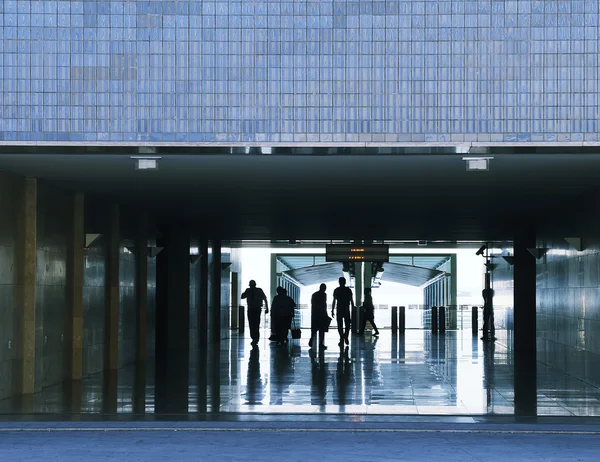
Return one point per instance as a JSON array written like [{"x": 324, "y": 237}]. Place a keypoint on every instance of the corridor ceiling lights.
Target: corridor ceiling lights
[
  {"x": 146, "y": 162},
  {"x": 477, "y": 163}
]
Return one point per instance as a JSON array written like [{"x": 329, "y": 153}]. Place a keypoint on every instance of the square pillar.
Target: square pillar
[
  {"x": 203, "y": 296},
  {"x": 235, "y": 297},
  {"x": 172, "y": 321},
  {"x": 214, "y": 314},
  {"x": 25, "y": 287},
  {"x": 525, "y": 367},
  {"x": 141, "y": 288},
  {"x": 111, "y": 300},
  {"x": 75, "y": 284}
]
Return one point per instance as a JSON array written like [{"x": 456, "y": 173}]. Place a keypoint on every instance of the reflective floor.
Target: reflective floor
[{"x": 415, "y": 374}]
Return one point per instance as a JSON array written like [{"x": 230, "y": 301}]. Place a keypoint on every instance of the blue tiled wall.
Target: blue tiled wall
[{"x": 283, "y": 71}]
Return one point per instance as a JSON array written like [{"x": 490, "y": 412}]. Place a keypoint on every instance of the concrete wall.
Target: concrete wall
[
  {"x": 568, "y": 307},
  {"x": 127, "y": 304},
  {"x": 52, "y": 311},
  {"x": 8, "y": 228},
  {"x": 94, "y": 278},
  {"x": 52, "y": 315},
  {"x": 568, "y": 310}
]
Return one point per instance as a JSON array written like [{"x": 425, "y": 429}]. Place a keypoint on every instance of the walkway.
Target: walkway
[{"x": 416, "y": 374}]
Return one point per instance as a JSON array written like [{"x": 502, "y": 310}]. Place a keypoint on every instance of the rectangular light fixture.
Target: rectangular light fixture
[
  {"x": 146, "y": 162},
  {"x": 477, "y": 163}
]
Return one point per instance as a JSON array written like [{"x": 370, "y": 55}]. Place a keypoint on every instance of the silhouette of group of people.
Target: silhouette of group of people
[{"x": 283, "y": 309}]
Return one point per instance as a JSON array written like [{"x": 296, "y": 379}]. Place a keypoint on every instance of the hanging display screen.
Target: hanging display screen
[{"x": 357, "y": 252}]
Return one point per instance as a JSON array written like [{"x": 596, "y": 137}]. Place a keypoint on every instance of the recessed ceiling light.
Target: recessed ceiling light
[
  {"x": 146, "y": 162},
  {"x": 477, "y": 163}
]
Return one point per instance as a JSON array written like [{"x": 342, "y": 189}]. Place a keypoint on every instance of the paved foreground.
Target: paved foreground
[{"x": 249, "y": 442}]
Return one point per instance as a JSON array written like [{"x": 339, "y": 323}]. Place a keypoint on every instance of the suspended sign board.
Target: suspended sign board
[{"x": 357, "y": 252}]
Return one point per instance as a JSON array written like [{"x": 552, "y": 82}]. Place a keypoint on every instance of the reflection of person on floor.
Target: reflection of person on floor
[
  {"x": 282, "y": 375},
  {"x": 319, "y": 374},
  {"x": 489, "y": 351},
  {"x": 282, "y": 310},
  {"x": 369, "y": 313},
  {"x": 343, "y": 296},
  {"x": 254, "y": 388},
  {"x": 256, "y": 297},
  {"x": 319, "y": 321},
  {"x": 343, "y": 376}
]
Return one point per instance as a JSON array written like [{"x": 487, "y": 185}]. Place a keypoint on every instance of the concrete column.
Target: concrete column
[
  {"x": 75, "y": 284},
  {"x": 358, "y": 289},
  {"x": 25, "y": 287},
  {"x": 214, "y": 314},
  {"x": 453, "y": 313},
  {"x": 141, "y": 287},
  {"x": 235, "y": 299},
  {"x": 111, "y": 326},
  {"x": 141, "y": 300},
  {"x": 203, "y": 296},
  {"x": 525, "y": 325},
  {"x": 402, "y": 320},
  {"x": 172, "y": 321},
  {"x": 272, "y": 279}
]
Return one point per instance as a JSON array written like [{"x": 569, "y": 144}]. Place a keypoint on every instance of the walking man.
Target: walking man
[
  {"x": 256, "y": 297},
  {"x": 342, "y": 295},
  {"x": 369, "y": 313},
  {"x": 319, "y": 321}
]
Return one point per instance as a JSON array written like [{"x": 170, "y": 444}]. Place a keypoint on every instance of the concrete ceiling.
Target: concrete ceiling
[
  {"x": 334, "y": 197},
  {"x": 316, "y": 274},
  {"x": 414, "y": 270}
]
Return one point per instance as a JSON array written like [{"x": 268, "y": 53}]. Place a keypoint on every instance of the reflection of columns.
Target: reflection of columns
[
  {"x": 173, "y": 321},
  {"x": 75, "y": 285},
  {"x": 111, "y": 326},
  {"x": 402, "y": 348},
  {"x": 525, "y": 325},
  {"x": 73, "y": 391},
  {"x": 202, "y": 380},
  {"x": 109, "y": 391},
  {"x": 215, "y": 376},
  {"x": 139, "y": 388},
  {"x": 25, "y": 263}
]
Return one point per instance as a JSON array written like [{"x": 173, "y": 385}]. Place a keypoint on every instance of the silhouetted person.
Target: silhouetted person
[
  {"x": 369, "y": 312},
  {"x": 488, "y": 314},
  {"x": 255, "y": 297},
  {"x": 343, "y": 296},
  {"x": 282, "y": 310},
  {"x": 319, "y": 321}
]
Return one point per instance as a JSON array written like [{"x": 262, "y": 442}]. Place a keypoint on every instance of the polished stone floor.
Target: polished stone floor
[{"x": 415, "y": 374}]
